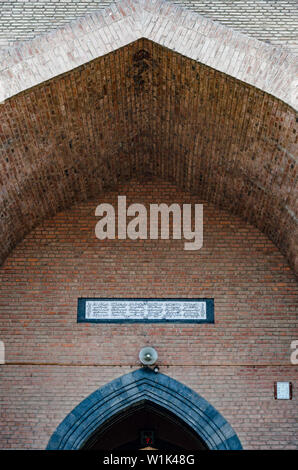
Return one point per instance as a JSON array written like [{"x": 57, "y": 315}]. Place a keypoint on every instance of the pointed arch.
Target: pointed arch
[
  {"x": 143, "y": 384},
  {"x": 269, "y": 68}
]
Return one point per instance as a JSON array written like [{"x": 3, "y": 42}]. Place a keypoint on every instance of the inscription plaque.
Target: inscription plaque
[{"x": 103, "y": 310}]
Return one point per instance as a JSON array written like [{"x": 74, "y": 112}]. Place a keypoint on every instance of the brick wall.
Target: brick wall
[
  {"x": 53, "y": 362},
  {"x": 272, "y": 21},
  {"x": 145, "y": 111}
]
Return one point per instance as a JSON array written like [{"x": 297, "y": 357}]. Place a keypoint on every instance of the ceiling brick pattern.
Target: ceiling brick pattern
[{"x": 146, "y": 110}]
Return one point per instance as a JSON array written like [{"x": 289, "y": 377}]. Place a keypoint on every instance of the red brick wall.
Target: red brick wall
[{"x": 52, "y": 362}]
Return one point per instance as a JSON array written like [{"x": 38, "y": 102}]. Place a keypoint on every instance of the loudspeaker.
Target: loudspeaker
[{"x": 148, "y": 356}]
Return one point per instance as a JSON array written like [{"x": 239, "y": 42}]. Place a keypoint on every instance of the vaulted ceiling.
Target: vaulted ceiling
[{"x": 147, "y": 110}]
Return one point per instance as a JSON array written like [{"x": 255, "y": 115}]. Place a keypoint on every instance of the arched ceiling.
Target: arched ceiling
[{"x": 144, "y": 109}]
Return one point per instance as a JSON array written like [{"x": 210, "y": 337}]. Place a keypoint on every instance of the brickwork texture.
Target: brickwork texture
[
  {"x": 160, "y": 104},
  {"x": 53, "y": 362},
  {"x": 144, "y": 109},
  {"x": 270, "y": 68},
  {"x": 272, "y": 21}
]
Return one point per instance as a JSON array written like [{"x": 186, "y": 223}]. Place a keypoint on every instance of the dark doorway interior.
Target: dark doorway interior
[{"x": 145, "y": 426}]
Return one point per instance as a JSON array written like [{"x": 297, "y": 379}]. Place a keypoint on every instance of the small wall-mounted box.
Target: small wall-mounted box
[{"x": 283, "y": 390}]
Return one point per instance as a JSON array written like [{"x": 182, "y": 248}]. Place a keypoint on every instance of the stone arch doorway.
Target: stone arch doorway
[
  {"x": 143, "y": 393},
  {"x": 145, "y": 425}
]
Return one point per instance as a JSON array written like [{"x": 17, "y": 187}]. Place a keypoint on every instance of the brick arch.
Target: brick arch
[
  {"x": 146, "y": 110},
  {"x": 269, "y": 68},
  {"x": 140, "y": 385}
]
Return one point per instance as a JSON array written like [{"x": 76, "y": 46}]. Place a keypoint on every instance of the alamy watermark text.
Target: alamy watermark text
[{"x": 139, "y": 228}]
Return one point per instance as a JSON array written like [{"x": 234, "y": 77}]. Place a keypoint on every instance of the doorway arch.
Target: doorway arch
[
  {"x": 139, "y": 386},
  {"x": 145, "y": 426}
]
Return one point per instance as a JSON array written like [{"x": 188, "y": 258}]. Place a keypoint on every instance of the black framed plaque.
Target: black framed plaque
[{"x": 145, "y": 310}]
